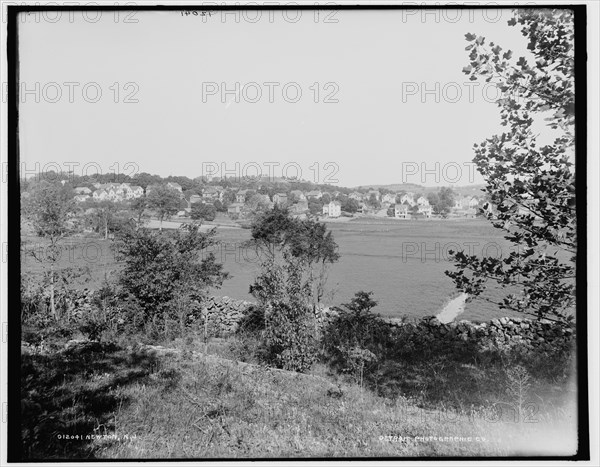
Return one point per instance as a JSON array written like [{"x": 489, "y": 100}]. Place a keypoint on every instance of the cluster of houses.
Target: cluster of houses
[
  {"x": 467, "y": 206},
  {"x": 109, "y": 192},
  {"x": 117, "y": 191},
  {"x": 405, "y": 205}
]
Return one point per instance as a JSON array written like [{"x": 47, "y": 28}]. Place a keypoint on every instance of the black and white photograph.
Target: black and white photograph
[{"x": 299, "y": 232}]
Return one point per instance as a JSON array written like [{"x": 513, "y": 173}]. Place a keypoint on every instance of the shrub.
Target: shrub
[
  {"x": 253, "y": 320},
  {"x": 356, "y": 339},
  {"x": 244, "y": 347},
  {"x": 288, "y": 340},
  {"x": 168, "y": 273},
  {"x": 92, "y": 327},
  {"x": 204, "y": 211}
]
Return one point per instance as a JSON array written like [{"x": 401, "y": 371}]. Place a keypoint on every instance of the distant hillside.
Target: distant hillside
[
  {"x": 399, "y": 187},
  {"x": 467, "y": 190}
]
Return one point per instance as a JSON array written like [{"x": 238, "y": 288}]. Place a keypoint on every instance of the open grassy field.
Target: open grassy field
[{"x": 402, "y": 262}]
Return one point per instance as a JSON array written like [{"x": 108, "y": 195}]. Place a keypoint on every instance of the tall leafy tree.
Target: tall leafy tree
[
  {"x": 50, "y": 209},
  {"x": 203, "y": 211},
  {"x": 103, "y": 216},
  {"x": 531, "y": 185},
  {"x": 138, "y": 206},
  {"x": 443, "y": 201},
  {"x": 291, "y": 282},
  {"x": 162, "y": 271},
  {"x": 164, "y": 200}
]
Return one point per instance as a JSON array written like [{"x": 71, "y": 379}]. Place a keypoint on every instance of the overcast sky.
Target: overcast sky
[{"x": 375, "y": 129}]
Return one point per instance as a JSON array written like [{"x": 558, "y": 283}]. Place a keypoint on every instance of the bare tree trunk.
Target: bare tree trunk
[
  {"x": 52, "y": 303},
  {"x": 206, "y": 332}
]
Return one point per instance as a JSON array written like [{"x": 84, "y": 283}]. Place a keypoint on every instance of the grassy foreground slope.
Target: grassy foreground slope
[{"x": 182, "y": 403}]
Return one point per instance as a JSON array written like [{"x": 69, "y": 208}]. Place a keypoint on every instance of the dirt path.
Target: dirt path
[{"x": 453, "y": 308}]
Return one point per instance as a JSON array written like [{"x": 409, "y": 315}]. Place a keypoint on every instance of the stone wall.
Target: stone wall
[
  {"x": 506, "y": 332},
  {"x": 224, "y": 315}
]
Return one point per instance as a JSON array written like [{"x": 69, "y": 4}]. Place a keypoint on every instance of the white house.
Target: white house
[
  {"x": 175, "y": 185},
  {"x": 389, "y": 198},
  {"x": 462, "y": 203},
  {"x": 314, "y": 194},
  {"x": 82, "y": 190},
  {"x": 401, "y": 211},
  {"x": 136, "y": 191},
  {"x": 422, "y": 201},
  {"x": 473, "y": 202},
  {"x": 240, "y": 196},
  {"x": 426, "y": 210},
  {"x": 333, "y": 209},
  {"x": 408, "y": 198},
  {"x": 210, "y": 193},
  {"x": 100, "y": 195}
]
